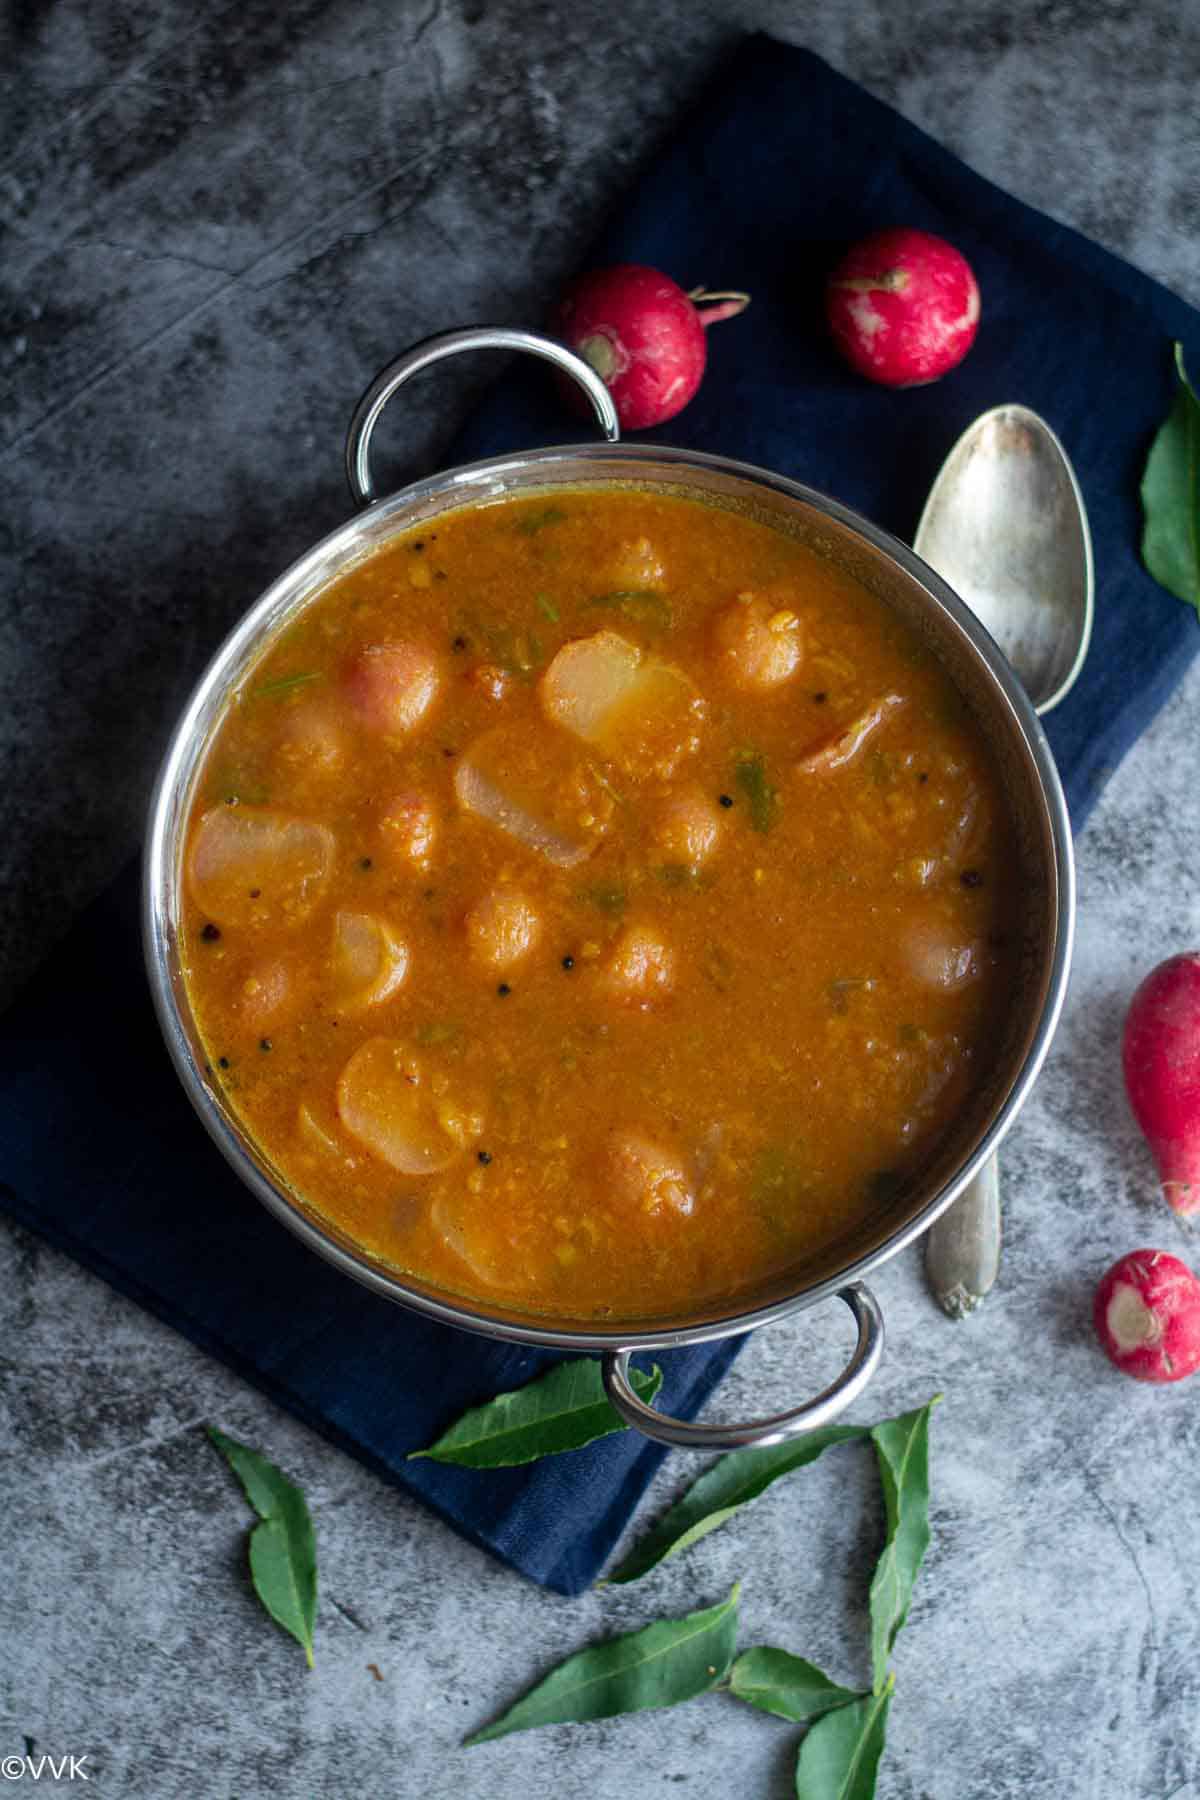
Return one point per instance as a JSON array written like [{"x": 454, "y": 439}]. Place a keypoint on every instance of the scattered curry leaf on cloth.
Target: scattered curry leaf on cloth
[
  {"x": 283, "y": 1546},
  {"x": 840, "y": 1754},
  {"x": 723, "y": 1490},
  {"x": 564, "y": 1409},
  {"x": 1171, "y": 495},
  {"x": 777, "y": 1682},
  {"x": 660, "y": 1665},
  {"x": 902, "y": 1445}
]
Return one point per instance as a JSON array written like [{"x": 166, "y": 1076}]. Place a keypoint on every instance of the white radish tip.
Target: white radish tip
[
  {"x": 1182, "y": 1198},
  {"x": 1130, "y": 1322}
]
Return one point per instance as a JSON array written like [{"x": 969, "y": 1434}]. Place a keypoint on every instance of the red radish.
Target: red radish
[
  {"x": 903, "y": 307},
  {"x": 1161, "y": 1055},
  {"x": 391, "y": 686},
  {"x": 643, "y": 336},
  {"x": 1147, "y": 1314}
]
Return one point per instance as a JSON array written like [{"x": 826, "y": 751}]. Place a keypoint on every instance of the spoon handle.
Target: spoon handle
[{"x": 962, "y": 1248}]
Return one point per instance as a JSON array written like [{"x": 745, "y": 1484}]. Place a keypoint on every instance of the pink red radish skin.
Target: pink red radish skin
[
  {"x": 903, "y": 307},
  {"x": 643, "y": 336},
  {"x": 1160, "y": 1051},
  {"x": 1147, "y": 1315}
]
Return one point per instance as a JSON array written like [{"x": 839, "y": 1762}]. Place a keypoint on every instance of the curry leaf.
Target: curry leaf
[
  {"x": 786, "y": 1685},
  {"x": 750, "y": 773},
  {"x": 283, "y": 1548},
  {"x": 902, "y": 1446},
  {"x": 722, "y": 1490},
  {"x": 643, "y": 605},
  {"x": 286, "y": 684},
  {"x": 1171, "y": 495},
  {"x": 518, "y": 653},
  {"x": 532, "y": 522},
  {"x": 660, "y": 1665},
  {"x": 606, "y": 897},
  {"x": 564, "y": 1409},
  {"x": 683, "y": 875},
  {"x": 840, "y": 1754}
]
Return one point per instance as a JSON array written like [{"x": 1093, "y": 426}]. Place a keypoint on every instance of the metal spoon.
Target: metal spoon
[{"x": 1005, "y": 525}]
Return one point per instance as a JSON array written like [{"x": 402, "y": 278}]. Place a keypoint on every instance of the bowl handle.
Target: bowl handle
[
  {"x": 760, "y": 1432},
  {"x": 449, "y": 343}
]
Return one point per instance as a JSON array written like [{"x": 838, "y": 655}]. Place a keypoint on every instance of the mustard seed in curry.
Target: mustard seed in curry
[{"x": 621, "y": 892}]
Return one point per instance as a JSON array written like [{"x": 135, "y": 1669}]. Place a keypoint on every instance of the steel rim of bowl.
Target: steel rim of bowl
[{"x": 160, "y": 869}]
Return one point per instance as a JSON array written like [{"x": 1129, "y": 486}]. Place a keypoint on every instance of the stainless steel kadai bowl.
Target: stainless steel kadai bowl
[{"x": 986, "y": 684}]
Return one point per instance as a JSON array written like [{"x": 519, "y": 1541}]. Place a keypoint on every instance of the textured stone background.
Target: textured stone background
[{"x": 217, "y": 221}]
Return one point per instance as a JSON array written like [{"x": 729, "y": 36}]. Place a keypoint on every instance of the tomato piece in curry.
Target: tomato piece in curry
[{"x": 595, "y": 903}]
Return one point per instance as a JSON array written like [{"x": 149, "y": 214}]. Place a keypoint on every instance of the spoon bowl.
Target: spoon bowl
[{"x": 1005, "y": 525}]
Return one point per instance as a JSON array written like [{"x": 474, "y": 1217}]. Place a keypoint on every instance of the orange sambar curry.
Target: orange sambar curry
[{"x": 595, "y": 904}]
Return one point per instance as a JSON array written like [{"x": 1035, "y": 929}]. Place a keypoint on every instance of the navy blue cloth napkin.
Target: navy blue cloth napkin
[{"x": 784, "y": 162}]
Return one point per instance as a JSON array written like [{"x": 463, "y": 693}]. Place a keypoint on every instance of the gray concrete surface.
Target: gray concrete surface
[{"x": 216, "y": 221}]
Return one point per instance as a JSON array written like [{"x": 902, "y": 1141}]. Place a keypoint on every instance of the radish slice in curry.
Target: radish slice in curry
[
  {"x": 635, "y": 566},
  {"x": 268, "y": 991},
  {"x": 686, "y": 827},
  {"x": 369, "y": 961},
  {"x": 835, "y": 752},
  {"x": 932, "y": 953},
  {"x": 640, "y": 967},
  {"x": 645, "y": 1176},
  {"x": 386, "y": 1099},
  {"x": 587, "y": 680},
  {"x": 247, "y": 867},
  {"x": 457, "y": 1220},
  {"x": 319, "y": 1136},
  {"x": 502, "y": 928},
  {"x": 643, "y": 713},
  {"x": 531, "y": 787},
  {"x": 392, "y": 686},
  {"x": 759, "y": 644},
  {"x": 408, "y": 830},
  {"x": 311, "y": 741}
]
